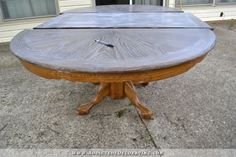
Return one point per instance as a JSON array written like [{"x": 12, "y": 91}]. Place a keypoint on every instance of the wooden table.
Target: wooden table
[{"x": 116, "y": 46}]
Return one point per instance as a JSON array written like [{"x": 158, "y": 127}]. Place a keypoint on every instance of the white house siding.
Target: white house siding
[
  {"x": 209, "y": 13},
  {"x": 11, "y": 28},
  {"x": 8, "y": 29},
  {"x": 72, "y": 4},
  {"x": 212, "y": 13}
]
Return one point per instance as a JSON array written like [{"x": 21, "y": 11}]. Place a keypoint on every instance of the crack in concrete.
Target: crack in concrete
[
  {"x": 149, "y": 133},
  {"x": 53, "y": 130},
  {"x": 3, "y": 127}
]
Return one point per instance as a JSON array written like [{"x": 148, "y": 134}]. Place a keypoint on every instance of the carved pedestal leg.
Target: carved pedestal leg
[
  {"x": 103, "y": 91},
  {"x": 133, "y": 97},
  {"x": 116, "y": 91}
]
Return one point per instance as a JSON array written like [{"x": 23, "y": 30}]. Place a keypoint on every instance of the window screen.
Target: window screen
[{"x": 27, "y": 8}]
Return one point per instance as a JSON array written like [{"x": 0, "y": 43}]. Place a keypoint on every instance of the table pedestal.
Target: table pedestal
[{"x": 117, "y": 90}]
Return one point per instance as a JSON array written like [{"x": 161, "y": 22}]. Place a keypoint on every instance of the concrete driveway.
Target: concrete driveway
[{"x": 193, "y": 110}]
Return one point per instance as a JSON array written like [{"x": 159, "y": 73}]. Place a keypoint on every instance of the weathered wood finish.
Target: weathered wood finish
[
  {"x": 124, "y": 20},
  {"x": 134, "y": 50},
  {"x": 123, "y": 9},
  {"x": 169, "y": 45}
]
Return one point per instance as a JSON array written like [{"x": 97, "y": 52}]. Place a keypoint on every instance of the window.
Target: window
[
  {"x": 111, "y": 2},
  {"x": 148, "y": 2},
  {"x": 193, "y": 2},
  {"x": 12, "y": 9},
  {"x": 203, "y": 2},
  {"x": 225, "y": 1}
]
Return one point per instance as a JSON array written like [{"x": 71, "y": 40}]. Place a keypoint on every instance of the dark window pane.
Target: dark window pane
[
  {"x": 225, "y": 1},
  {"x": 192, "y": 2},
  {"x": 27, "y": 8},
  {"x": 110, "y": 2},
  {"x": 147, "y": 2}
]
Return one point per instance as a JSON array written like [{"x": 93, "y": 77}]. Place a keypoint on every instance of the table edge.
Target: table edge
[{"x": 136, "y": 76}]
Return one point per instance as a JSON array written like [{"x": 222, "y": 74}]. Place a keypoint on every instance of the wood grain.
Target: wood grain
[
  {"x": 133, "y": 97},
  {"x": 123, "y": 9},
  {"x": 124, "y": 20},
  {"x": 140, "y": 76},
  {"x": 103, "y": 91},
  {"x": 116, "y": 91},
  {"x": 136, "y": 56},
  {"x": 134, "y": 50}
]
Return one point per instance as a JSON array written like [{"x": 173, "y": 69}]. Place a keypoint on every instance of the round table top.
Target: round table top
[{"x": 122, "y": 39}]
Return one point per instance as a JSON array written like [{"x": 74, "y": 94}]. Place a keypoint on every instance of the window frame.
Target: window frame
[
  {"x": 214, "y": 3},
  {"x": 224, "y": 3},
  {"x": 193, "y": 5},
  {"x": 2, "y": 19}
]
